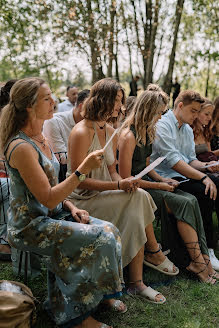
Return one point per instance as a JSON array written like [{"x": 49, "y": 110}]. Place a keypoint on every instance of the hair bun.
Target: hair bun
[{"x": 153, "y": 87}]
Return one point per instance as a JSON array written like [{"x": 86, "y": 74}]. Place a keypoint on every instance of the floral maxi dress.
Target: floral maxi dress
[{"x": 83, "y": 260}]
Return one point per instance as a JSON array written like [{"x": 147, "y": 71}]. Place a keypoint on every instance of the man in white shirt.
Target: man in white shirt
[
  {"x": 58, "y": 128},
  {"x": 70, "y": 103}
]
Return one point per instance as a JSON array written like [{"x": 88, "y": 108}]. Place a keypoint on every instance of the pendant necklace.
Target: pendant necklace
[
  {"x": 42, "y": 142},
  {"x": 101, "y": 127}
]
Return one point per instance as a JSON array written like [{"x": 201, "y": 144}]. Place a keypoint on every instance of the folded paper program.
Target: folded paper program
[
  {"x": 110, "y": 139},
  {"x": 210, "y": 165},
  {"x": 149, "y": 167}
]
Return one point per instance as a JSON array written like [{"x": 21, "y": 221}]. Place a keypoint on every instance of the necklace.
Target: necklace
[
  {"x": 42, "y": 142},
  {"x": 101, "y": 127}
]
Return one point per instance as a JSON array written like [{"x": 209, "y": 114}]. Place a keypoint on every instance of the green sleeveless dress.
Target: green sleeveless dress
[{"x": 184, "y": 207}]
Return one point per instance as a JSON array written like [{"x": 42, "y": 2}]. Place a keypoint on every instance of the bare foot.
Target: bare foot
[
  {"x": 90, "y": 323},
  {"x": 157, "y": 258},
  {"x": 5, "y": 249}
]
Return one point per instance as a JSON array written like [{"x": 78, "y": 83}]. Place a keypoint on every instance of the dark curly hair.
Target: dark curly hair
[{"x": 100, "y": 103}]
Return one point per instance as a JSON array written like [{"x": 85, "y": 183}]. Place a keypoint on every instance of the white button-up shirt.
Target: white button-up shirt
[
  {"x": 65, "y": 106},
  {"x": 58, "y": 129},
  {"x": 177, "y": 143}
]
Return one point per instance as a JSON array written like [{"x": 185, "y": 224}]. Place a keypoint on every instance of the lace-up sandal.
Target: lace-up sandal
[
  {"x": 166, "y": 267},
  {"x": 214, "y": 275},
  {"x": 210, "y": 279}
]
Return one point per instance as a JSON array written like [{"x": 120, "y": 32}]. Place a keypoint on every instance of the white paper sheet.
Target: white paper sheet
[
  {"x": 149, "y": 167},
  {"x": 110, "y": 139},
  {"x": 210, "y": 165},
  {"x": 184, "y": 181}
]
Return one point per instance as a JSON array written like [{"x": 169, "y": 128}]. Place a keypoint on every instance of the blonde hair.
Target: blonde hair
[
  {"x": 144, "y": 113},
  {"x": 14, "y": 116},
  {"x": 207, "y": 130}
]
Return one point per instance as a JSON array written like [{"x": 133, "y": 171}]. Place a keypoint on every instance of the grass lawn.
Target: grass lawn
[{"x": 190, "y": 304}]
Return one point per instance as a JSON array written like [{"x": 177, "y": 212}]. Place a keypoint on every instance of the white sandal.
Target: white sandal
[
  {"x": 166, "y": 264},
  {"x": 116, "y": 307},
  {"x": 148, "y": 294}
]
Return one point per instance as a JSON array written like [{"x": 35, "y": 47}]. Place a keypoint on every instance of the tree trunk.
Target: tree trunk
[
  {"x": 111, "y": 37},
  {"x": 127, "y": 39},
  {"x": 96, "y": 65},
  {"x": 149, "y": 21},
  {"x": 167, "y": 84},
  {"x": 116, "y": 51},
  {"x": 208, "y": 74},
  {"x": 152, "y": 44}
]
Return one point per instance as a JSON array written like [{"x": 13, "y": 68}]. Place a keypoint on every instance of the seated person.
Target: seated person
[
  {"x": 203, "y": 132},
  {"x": 135, "y": 147},
  {"x": 215, "y": 128},
  {"x": 202, "y": 129},
  {"x": 83, "y": 254},
  {"x": 70, "y": 103},
  {"x": 124, "y": 112},
  {"x": 175, "y": 140},
  {"x": 57, "y": 131},
  {"x": 58, "y": 128},
  {"x": 5, "y": 250},
  {"x": 105, "y": 194}
]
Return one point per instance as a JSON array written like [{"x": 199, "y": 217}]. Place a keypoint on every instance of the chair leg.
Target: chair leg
[
  {"x": 25, "y": 268},
  {"x": 20, "y": 263}
]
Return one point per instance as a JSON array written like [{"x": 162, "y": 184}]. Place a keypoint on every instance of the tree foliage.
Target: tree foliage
[{"x": 156, "y": 39}]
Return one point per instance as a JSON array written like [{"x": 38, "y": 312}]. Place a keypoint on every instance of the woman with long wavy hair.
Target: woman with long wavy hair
[
  {"x": 182, "y": 230},
  {"x": 202, "y": 129},
  {"x": 105, "y": 194},
  {"x": 83, "y": 254},
  {"x": 215, "y": 128}
]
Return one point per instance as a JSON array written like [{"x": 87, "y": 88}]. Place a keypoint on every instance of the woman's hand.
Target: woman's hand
[
  {"x": 81, "y": 216},
  {"x": 166, "y": 186},
  {"x": 129, "y": 184},
  {"x": 212, "y": 168},
  {"x": 171, "y": 182},
  {"x": 92, "y": 161}
]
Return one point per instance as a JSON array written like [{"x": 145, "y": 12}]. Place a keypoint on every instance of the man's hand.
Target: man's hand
[
  {"x": 210, "y": 187},
  {"x": 171, "y": 182},
  {"x": 166, "y": 186}
]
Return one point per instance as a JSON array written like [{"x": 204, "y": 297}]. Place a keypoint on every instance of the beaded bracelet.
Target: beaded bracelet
[{"x": 64, "y": 201}]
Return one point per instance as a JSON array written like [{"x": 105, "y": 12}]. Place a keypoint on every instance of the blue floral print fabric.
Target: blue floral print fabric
[{"x": 83, "y": 260}]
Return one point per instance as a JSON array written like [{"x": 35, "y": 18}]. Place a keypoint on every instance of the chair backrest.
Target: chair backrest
[
  {"x": 4, "y": 193},
  {"x": 62, "y": 158}
]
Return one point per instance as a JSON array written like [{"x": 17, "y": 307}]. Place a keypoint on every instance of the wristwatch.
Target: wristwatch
[{"x": 81, "y": 176}]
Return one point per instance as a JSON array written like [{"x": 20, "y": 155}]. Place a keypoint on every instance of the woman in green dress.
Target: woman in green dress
[{"x": 135, "y": 148}]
